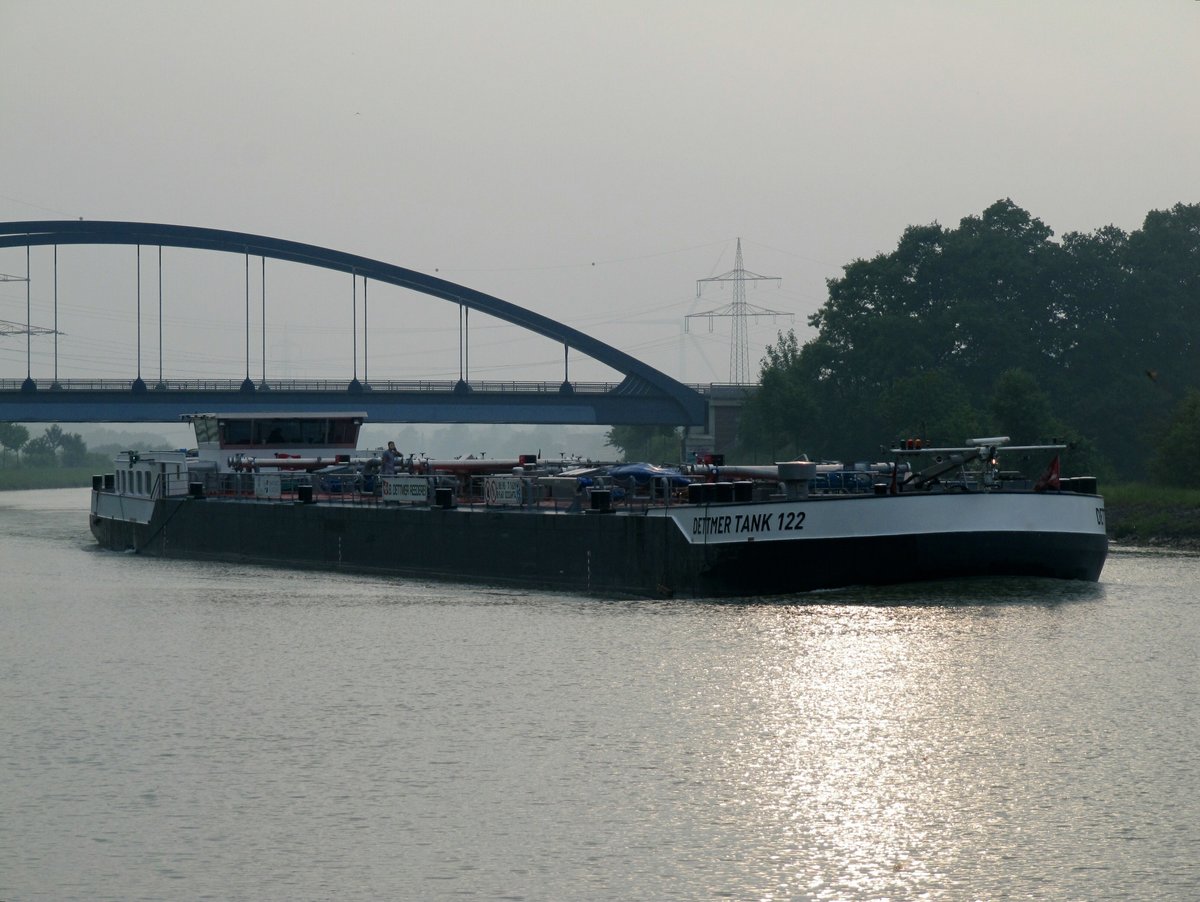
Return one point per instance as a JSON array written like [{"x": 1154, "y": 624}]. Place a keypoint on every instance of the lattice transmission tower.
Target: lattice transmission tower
[
  {"x": 8, "y": 327},
  {"x": 739, "y": 311}
]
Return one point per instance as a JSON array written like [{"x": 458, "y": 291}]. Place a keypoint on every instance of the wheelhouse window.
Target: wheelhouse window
[
  {"x": 343, "y": 432},
  {"x": 236, "y": 432},
  {"x": 289, "y": 432},
  {"x": 206, "y": 429}
]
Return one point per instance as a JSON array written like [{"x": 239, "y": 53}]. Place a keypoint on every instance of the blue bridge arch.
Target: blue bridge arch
[{"x": 645, "y": 395}]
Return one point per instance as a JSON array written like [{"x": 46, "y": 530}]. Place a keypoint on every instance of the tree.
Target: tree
[
  {"x": 54, "y": 447},
  {"x": 1178, "y": 444},
  {"x": 74, "y": 450},
  {"x": 1162, "y": 256},
  {"x": 1022, "y": 410},
  {"x": 933, "y": 407},
  {"x": 969, "y": 301},
  {"x": 655, "y": 444},
  {"x": 39, "y": 452},
  {"x": 13, "y": 436},
  {"x": 781, "y": 415},
  {"x": 54, "y": 436},
  {"x": 964, "y": 303},
  {"x": 1092, "y": 339}
]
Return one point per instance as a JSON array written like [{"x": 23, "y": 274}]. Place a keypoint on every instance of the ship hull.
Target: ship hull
[{"x": 737, "y": 550}]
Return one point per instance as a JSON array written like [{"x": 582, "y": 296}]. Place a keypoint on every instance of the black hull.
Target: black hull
[{"x": 599, "y": 553}]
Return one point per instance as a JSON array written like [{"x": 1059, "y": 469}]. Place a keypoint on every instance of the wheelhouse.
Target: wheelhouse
[{"x": 255, "y": 433}]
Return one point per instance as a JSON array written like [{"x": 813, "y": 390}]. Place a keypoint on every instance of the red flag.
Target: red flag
[{"x": 1049, "y": 479}]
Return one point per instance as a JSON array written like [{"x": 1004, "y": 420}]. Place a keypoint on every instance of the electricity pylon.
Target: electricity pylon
[
  {"x": 738, "y": 311},
  {"x": 8, "y": 327}
]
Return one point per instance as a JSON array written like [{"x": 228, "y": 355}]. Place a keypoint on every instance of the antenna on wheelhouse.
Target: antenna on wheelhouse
[{"x": 739, "y": 310}]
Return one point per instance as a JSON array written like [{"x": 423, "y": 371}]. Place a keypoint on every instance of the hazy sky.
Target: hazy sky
[{"x": 590, "y": 161}]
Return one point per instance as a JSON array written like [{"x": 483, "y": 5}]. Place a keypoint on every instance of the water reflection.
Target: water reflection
[
  {"x": 968, "y": 592},
  {"x": 850, "y": 764},
  {"x": 827, "y": 765},
  {"x": 386, "y": 738}
]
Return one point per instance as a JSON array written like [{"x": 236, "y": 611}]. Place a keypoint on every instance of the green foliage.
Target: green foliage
[
  {"x": 930, "y": 406},
  {"x": 1140, "y": 493},
  {"x": 54, "y": 436},
  {"x": 13, "y": 437},
  {"x": 778, "y": 419},
  {"x": 956, "y": 300},
  {"x": 995, "y": 328},
  {"x": 1138, "y": 512},
  {"x": 1021, "y": 410},
  {"x": 654, "y": 444},
  {"x": 74, "y": 450},
  {"x": 53, "y": 447},
  {"x": 39, "y": 452},
  {"x": 1178, "y": 445}
]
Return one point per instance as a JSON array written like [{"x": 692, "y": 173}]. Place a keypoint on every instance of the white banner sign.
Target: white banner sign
[
  {"x": 411, "y": 489},
  {"x": 502, "y": 490}
]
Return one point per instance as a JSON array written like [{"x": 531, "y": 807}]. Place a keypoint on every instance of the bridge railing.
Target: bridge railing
[{"x": 317, "y": 385}]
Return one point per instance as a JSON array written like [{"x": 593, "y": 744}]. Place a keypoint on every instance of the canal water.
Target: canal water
[{"x": 178, "y": 730}]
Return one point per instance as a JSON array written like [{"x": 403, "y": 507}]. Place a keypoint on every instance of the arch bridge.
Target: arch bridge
[{"x": 643, "y": 396}]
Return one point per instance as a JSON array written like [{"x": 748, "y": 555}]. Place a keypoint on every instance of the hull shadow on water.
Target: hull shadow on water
[{"x": 364, "y": 586}]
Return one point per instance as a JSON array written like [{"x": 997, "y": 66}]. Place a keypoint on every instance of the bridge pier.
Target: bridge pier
[{"x": 724, "y": 416}]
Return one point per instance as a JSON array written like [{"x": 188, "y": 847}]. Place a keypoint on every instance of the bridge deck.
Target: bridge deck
[{"x": 425, "y": 401}]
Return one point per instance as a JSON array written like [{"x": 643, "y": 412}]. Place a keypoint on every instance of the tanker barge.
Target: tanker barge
[{"x": 294, "y": 490}]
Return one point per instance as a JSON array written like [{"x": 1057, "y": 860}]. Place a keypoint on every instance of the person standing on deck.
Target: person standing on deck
[{"x": 390, "y": 456}]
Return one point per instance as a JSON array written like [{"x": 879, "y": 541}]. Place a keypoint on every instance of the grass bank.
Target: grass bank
[
  {"x": 1153, "y": 515},
  {"x": 16, "y": 478}
]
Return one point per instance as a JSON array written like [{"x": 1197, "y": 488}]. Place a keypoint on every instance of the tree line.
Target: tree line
[
  {"x": 995, "y": 328},
  {"x": 53, "y": 448}
]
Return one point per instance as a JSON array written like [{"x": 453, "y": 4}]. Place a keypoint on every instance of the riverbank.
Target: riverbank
[
  {"x": 1151, "y": 515},
  {"x": 23, "y": 478}
]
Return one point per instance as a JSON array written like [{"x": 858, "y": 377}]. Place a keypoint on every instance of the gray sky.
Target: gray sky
[{"x": 588, "y": 160}]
